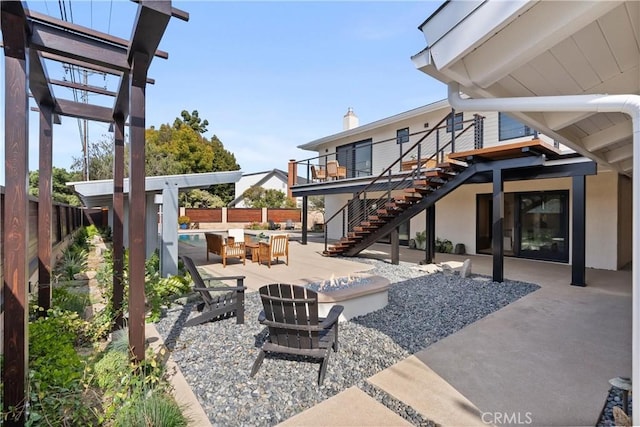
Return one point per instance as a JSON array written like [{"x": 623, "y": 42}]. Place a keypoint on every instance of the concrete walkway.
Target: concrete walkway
[{"x": 543, "y": 360}]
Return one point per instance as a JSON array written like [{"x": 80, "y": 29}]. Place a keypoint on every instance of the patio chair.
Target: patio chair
[
  {"x": 291, "y": 315},
  {"x": 276, "y": 247},
  {"x": 219, "y": 301},
  {"x": 318, "y": 174},
  {"x": 335, "y": 171},
  {"x": 225, "y": 249},
  {"x": 289, "y": 225}
]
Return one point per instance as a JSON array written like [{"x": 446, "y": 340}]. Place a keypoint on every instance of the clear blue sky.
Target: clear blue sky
[{"x": 268, "y": 76}]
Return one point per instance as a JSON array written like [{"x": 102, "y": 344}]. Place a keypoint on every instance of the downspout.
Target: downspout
[{"x": 628, "y": 104}]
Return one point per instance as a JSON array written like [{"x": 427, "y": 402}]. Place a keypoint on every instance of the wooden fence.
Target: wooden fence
[
  {"x": 242, "y": 215},
  {"x": 65, "y": 220}
]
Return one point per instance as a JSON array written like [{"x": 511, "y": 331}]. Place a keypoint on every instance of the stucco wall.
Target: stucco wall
[
  {"x": 456, "y": 216},
  {"x": 625, "y": 226}
]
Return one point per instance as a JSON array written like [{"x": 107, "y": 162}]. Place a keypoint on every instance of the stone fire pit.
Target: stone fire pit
[{"x": 359, "y": 294}]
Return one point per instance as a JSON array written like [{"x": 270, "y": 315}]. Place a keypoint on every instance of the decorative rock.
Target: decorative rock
[{"x": 465, "y": 270}]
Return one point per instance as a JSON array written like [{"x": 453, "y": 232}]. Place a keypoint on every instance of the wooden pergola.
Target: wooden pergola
[{"x": 28, "y": 39}]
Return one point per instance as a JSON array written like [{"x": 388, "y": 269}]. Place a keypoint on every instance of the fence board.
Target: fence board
[
  {"x": 282, "y": 215},
  {"x": 204, "y": 214},
  {"x": 244, "y": 215}
]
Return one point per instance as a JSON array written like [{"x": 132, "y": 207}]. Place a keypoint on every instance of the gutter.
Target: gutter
[{"x": 628, "y": 104}]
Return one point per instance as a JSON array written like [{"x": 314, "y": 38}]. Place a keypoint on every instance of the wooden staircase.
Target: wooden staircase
[{"x": 426, "y": 189}]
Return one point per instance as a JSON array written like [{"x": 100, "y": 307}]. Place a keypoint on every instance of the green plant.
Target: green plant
[
  {"x": 65, "y": 299},
  {"x": 444, "y": 245},
  {"x": 73, "y": 261},
  {"x": 421, "y": 238},
  {"x": 183, "y": 219},
  {"x": 158, "y": 409},
  {"x": 56, "y": 372}
]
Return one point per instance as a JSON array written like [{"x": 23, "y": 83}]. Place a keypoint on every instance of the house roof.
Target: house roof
[
  {"x": 278, "y": 173},
  {"x": 100, "y": 193},
  {"x": 313, "y": 145},
  {"x": 497, "y": 49}
]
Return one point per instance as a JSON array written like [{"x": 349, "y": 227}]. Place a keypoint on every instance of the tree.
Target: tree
[
  {"x": 200, "y": 199},
  {"x": 259, "y": 197},
  {"x": 60, "y": 192},
  {"x": 191, "y": 120},
  {"x": 101, "y": 159}
]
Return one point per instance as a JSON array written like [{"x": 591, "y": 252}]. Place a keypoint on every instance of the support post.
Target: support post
[
  {"x": 45, "y": 207},
  {"x": 430, "y": 228},
  {"x": 395, "y": 246},
  {"x": 16, "y": 215},
  {"x": 118, "y": 219},
  {"x": 305, "y": 219},
  {"x": 497, "y": 244},
  {"x": 578, "y": 245},
  {"x": 169, "y": 254},
  {"x": 137, "y": 205}
]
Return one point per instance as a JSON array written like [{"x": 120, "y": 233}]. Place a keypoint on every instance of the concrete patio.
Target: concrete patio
[{"x": 543, "y": 360}]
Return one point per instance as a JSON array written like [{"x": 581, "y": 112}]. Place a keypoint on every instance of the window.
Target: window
[
  {"x": 510, "y": 128},
  {"x": 402, "y": 135},
  {"x": 356, "y": 157},
  {"x": 457, "y": 119}
]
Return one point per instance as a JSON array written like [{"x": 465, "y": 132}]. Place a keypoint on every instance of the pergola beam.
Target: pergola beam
[
  {"x": 79, "y": 86},
  {"x": 83, "y": 64},
  {"x": 83, "y": 111},
  {"x": 79, "y": 29},
  {"x": 76, "y": 46}
]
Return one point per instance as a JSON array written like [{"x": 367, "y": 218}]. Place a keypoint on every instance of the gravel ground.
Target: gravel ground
[
  {"x": 614, "y": 398},
  {"x": 216, "y": 357}
]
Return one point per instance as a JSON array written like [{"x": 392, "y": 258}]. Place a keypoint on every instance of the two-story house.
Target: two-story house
[{"x": 545, "y": 211}]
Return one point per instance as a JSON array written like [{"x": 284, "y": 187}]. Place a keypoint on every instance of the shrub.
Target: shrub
[
  {"x": 444, "y": 245},
  {"x": 158, "y": 409},
  {"x": 73, "y": 261},
  {"x": 67, "y": 300},
  {"x": 56, "y": 372}
]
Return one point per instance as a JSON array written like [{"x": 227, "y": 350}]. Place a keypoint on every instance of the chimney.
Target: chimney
[{"x": 350, "y": 120}]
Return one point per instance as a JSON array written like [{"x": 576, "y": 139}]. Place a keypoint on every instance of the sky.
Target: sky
[{"x": 268, "y": 76}]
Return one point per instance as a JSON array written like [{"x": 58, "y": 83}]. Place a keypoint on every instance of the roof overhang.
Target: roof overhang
[
  {"x": 100, "y": 193},
  {"x": 497, "y": 49}
]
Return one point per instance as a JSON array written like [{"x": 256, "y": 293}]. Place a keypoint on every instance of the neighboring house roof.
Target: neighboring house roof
[
  {"x": 277, "y": 173},
  {"x": 497, "y": 49},
  {"x": 100, "y": 193},
  {"x": 313, "y": 145}
]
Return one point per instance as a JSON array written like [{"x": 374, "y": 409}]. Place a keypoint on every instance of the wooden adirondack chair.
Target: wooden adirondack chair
[
  {"x": 217, "y": 302},
  {"x": 291, "y": 314}
]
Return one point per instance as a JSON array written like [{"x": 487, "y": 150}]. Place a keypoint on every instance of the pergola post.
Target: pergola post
[
  {"x": 118, "y": 220},
  {"x": 45, "y": 188},
  {"x": 16, "y": 213},
  {"x": 137, "y": 204}
]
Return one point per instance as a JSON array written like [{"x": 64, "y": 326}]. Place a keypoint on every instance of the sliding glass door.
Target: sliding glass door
[
  {"x": 544, "y": 225},
  {"x": 536, "y": 225}
]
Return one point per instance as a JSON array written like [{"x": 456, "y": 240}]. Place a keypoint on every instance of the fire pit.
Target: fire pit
[{"x": 359, "y": 295}]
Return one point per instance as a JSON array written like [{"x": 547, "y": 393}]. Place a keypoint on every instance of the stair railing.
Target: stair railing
[{"x": 388, "y": 181}]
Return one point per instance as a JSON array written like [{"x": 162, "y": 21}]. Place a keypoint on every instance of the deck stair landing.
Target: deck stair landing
[{"x": 432, "y": 184}]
